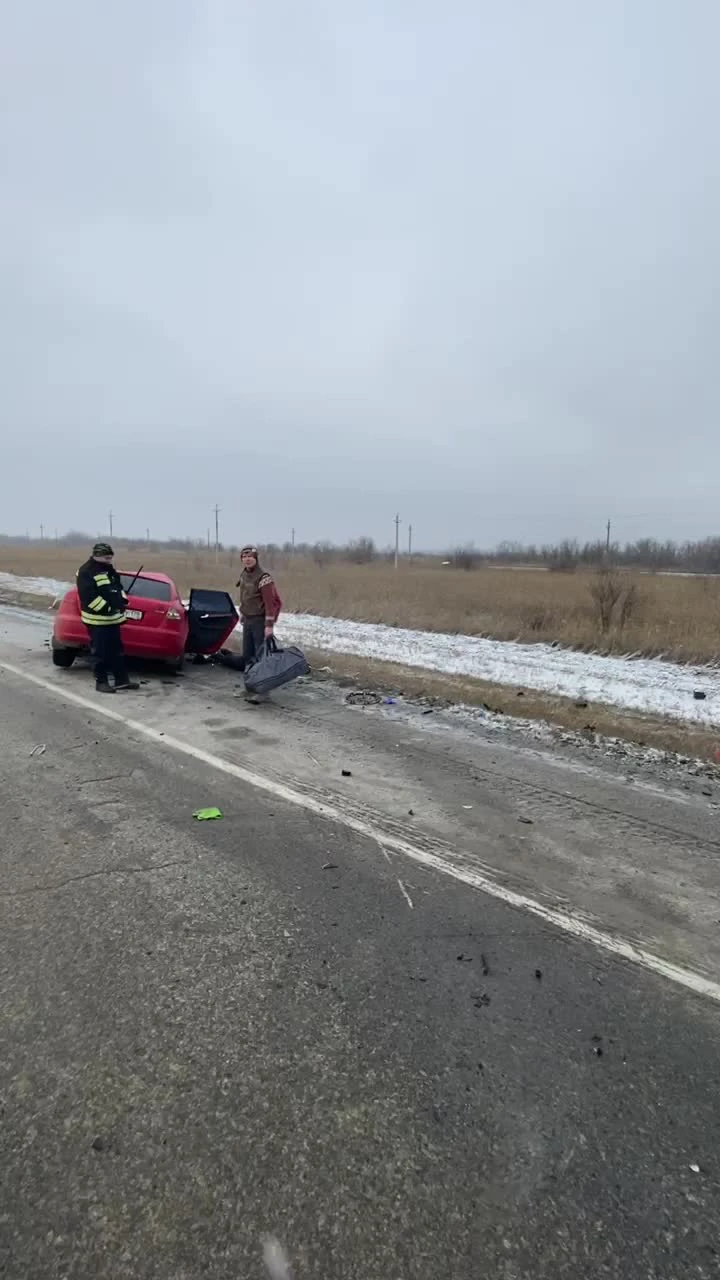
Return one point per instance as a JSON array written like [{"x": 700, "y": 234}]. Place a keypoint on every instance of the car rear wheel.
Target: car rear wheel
[{"x": 64, "y": 657}]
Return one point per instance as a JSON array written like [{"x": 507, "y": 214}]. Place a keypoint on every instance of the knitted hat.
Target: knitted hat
[
  {"x": 250, "y": 550},
  {"x": 102, "y": 549}
]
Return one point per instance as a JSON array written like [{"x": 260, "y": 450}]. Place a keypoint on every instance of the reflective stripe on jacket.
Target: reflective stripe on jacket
[{"x": 102, "y": 599}]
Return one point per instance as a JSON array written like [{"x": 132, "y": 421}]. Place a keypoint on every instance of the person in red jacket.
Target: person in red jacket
[{"x": 260, "y": 605}]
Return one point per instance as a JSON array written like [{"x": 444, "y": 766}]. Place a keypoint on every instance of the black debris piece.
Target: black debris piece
[
  {"x": 538, "y": 974},
  {"x": 330, "y": 866},
  {"x": 346, "y": 773}
]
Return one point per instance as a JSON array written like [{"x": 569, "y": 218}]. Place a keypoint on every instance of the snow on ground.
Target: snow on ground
[
  {"x": 33, "y": 586},
  {"x": 639, "y": 684}
]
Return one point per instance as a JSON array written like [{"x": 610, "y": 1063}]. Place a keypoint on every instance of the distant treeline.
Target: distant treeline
[
  {"x": 645, "y": 553},
  {"x": 562, "y": 557}
]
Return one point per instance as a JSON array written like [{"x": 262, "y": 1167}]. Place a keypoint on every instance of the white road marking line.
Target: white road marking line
[
  {"x": 574, "y": 924},
  {"x": 405, "y": 894},
  {"x": 384, "y": 851}
]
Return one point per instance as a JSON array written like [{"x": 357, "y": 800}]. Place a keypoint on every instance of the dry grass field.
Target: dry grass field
[{"x": 657, "y": 615}]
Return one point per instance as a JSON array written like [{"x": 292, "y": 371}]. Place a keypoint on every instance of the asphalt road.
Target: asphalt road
[{"x": 274, "y": 1023}]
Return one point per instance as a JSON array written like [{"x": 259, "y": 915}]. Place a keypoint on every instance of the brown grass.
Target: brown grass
[{"x": 671, "y": 616}]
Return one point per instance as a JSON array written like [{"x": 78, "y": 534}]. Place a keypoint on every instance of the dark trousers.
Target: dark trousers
[
  {"x": 253, "y": 634},
  {"x": 106, "y": 647}
]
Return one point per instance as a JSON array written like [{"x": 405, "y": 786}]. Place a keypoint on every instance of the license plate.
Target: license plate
[{"x": 134, "y": 615}]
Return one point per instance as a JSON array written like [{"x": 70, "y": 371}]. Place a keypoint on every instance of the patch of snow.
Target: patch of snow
[
  {"x": 34, "y": 586},
  {"x": 640, "y": 684}
]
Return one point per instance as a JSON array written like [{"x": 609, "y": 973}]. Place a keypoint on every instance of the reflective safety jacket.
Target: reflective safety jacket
[{"x": 102, "y": 599}]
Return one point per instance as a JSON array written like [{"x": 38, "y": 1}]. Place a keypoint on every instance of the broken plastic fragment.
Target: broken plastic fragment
[{"x": 204, "y": 815}]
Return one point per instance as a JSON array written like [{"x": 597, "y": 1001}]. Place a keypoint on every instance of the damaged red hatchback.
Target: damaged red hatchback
[{"x": 159, "y": 625}]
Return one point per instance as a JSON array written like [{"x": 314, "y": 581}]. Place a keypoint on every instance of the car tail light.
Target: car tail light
[{"x": 174, "y": 615}]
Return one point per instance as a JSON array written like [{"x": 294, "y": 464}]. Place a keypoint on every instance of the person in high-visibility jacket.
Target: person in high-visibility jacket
[{"x": 103, "y": 602}]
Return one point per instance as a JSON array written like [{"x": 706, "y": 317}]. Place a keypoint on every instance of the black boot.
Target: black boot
[
  {"x": 125, "y": 685},
  {"x": 102, "y": 686}
]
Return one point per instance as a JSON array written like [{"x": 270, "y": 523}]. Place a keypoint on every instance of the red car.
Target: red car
[{"x": 159, "y": 625}]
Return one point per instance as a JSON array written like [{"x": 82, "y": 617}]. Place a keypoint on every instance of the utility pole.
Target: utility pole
[
  {"x": 147, "y": 536},
  {"x": 409, "y": 542},
  {"x": 110, "y": 520},
  {"x": 217, "y": 530},
  {"x": 292, "y": 540},
  {"x": 56, "y": 538},
  {"x": 607, "y": 540},
  {"x": 208, "y": 539},
  {"x": 397, "y": 540},
  {"x": 42, "y": 532}
]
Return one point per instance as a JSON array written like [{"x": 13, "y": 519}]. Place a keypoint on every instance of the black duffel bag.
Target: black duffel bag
[{"x": 275, "y": 667}]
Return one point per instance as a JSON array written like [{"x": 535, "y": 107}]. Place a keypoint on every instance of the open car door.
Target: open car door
[{"x": 212, "y": 618}]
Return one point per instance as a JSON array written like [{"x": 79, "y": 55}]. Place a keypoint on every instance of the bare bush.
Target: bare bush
[
  {"x": 617, "y": 599},
  {"x": 630, "y": 605},
  {"x": 563, "y": 558},
  {"x": 465, "y": 558},
  {"x": 361, "y": 551},
  {"x": 322, "y": 554},
  {"x": 538, "y": 619}
]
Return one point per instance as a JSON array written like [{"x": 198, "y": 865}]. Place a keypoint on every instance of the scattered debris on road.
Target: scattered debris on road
[
  {"x": 206, "y": 815},
  {"x": 528, "y": 822},
  {"x": 364, "y": 698},
  {"x": 39, "y": 750},
  {"x": 346, "y": 773},
  {"x": 329, "y": 866},
  {"x": 538, "y": 974}
]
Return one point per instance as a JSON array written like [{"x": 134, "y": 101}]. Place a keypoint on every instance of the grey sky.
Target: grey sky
[{"x": 319, "y": 260}]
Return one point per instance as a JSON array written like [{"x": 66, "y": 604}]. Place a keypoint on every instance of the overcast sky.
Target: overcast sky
[{"x": 322, "y": 260}]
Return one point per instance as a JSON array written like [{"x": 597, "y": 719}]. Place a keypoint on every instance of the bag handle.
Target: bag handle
[{"x": 270, "y": 644}]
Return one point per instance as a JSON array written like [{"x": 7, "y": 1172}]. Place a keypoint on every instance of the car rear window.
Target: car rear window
[{"x": 147, "y": 588}]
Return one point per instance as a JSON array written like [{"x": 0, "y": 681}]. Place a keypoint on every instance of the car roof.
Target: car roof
[{"x": 154, "y": 577}]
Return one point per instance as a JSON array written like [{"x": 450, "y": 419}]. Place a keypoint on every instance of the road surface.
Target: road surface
[{"x": 307, "y": 1020}]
